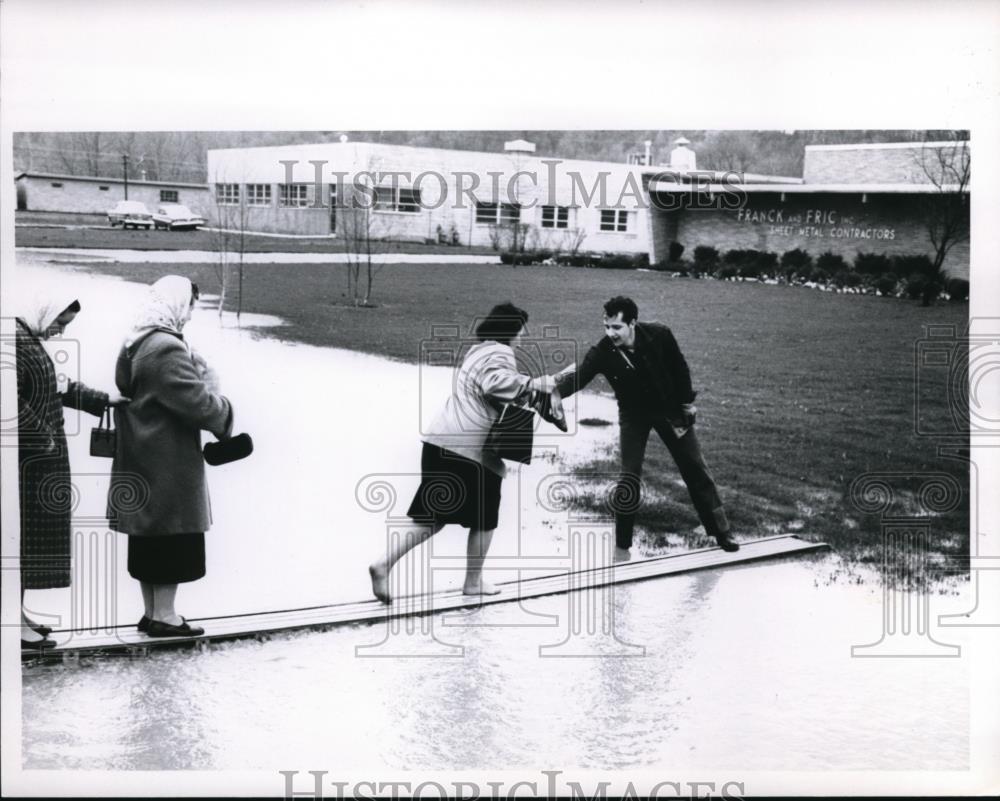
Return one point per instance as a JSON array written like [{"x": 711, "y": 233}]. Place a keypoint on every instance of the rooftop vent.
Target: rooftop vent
[
  {"x": 682, "y": 157},
  {"x": 519, "y": 146}
]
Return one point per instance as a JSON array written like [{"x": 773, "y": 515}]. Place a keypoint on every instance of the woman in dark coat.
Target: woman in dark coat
[
  {"x": 158, "y": 494},
  {"x": 44, "y": 479}
]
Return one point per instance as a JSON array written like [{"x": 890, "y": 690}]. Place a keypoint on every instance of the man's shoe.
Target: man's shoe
[
  {"x": 622, "y": 554},
  {"x": 727, "y": 543},
  {"x": 157, "y": 628}
]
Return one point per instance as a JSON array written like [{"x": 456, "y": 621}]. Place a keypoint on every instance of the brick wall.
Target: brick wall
[
  {"x": 842, "y": 224},
  {"x": 867, "y": 165},
  {"x": 40, "y": 194}
]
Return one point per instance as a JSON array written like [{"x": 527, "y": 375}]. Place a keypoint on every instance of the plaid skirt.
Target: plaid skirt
[
  {"x": 47, "y": 500},
  {"x": 454, "y": 489}
]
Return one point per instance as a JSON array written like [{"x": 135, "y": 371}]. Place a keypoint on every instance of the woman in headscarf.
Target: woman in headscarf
[
  {"x": 158, "y": 493},
  {"x": 44, "y": 479}
]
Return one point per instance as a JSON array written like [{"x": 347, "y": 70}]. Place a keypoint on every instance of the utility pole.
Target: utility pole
[{"x": 125, "y": 172}]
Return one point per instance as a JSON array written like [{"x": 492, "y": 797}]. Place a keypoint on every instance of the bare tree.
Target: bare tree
[
  {"x": 230, "y": 242},
  {"x": 241, "y": 247},
  {"x": 361, "y": 227},
  {"x": 84, "y": 153},
  {"x": 223, "y": 243},
  {"x": 730, "y": 150},
  {"x": 356, "y": 229},
  {"x": 574, "y": 239},
  {"x": 946, "y": 211},
  {"x": 559, "y": 240}
]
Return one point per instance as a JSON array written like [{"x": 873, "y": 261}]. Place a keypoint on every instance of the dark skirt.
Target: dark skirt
[
  {"x": 454, "y": 489},
  {"x": 167, "y": 559}
]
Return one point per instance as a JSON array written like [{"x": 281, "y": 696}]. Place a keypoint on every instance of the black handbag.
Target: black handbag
[
  {"x": 228, "y": 450},
  {"x": 102, "y": 438},
  {"x": 513, "y": 433}
]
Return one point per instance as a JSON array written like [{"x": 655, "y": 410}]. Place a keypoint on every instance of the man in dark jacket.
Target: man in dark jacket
[{"x": 652, "y": 384}]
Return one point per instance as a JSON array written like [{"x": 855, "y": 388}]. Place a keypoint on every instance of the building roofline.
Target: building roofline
[
  {"x": 97, "y": 179},
  {"x": 747, "y": 177},
  {"x": 359, "y": 142},
  {"x": 801, "y": 189},
  {"x": 889, "y": 145},
  {"x": 641, "y": 169}
]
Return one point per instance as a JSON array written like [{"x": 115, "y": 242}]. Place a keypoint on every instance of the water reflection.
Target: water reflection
[
  {"x": 699, "y": 696},
  {"x": 745, "y": 667}
]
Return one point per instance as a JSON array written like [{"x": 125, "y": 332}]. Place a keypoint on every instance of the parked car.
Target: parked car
[
  {"x": 130, "y": 214},
  {"x": 175, "y": 216}
]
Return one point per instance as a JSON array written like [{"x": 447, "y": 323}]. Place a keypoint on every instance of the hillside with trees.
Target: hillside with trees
[{"x": 180, "y": 155}]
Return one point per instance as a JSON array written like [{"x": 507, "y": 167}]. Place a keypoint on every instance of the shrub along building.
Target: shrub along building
[
  {"x": 898, "y": 199},
  {"x": 82, "y": 194},
  {"x": 892, "y": 199}
]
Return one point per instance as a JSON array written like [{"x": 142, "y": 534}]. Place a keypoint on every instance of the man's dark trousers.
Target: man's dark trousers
[{"x": 635, "y": 428}]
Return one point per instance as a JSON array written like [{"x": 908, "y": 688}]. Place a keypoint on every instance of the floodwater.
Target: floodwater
[{"x": 747, "y": 667}]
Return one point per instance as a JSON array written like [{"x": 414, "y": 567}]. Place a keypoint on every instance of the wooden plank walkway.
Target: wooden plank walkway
[{"x": 126, "y": 640}]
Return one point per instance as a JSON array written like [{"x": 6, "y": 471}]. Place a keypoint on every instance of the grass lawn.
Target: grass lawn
[
  {"x": 104, "y": 237},
  {"x": 800, "y": 391}
]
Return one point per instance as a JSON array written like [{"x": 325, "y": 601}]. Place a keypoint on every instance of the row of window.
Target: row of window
[
  {"x": 166, "y": 195},
  {"x": 552, "y": 216},
  {"x": 399, "y": 199}
]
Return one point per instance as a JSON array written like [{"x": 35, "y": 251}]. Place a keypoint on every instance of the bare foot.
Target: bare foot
[
  {"x": 480, "y": 588},
  {"x": 380, "y": 583},
  {"x": 622, "y": 554}
]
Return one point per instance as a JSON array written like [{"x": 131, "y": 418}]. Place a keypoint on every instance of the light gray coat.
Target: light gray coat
[{"x": 487, "y": 378}]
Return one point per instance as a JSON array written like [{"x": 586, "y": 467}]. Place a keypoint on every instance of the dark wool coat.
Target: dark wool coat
[
  {"x": 158, "y": 474},
  {"x": 656, "y": 382},
  {"x": 44, "y": 479}
]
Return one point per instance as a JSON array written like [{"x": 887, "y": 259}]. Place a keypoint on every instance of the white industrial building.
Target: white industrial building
[
  {"x": 426, "y": 194},
  {"x": 85, "y": 194},
  {"x": 852, "y": 198}
]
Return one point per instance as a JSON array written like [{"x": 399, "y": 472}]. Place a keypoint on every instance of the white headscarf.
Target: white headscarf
[
  {"x": 39, "y": 310},
  {"x": 165, "y": 308}
]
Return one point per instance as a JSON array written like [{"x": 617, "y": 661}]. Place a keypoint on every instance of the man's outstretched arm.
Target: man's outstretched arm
[{"x": 574, "y": 378}]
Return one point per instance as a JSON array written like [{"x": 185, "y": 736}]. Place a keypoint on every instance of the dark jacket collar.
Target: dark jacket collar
[{"x": 642, "y": 339}]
